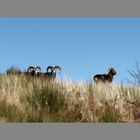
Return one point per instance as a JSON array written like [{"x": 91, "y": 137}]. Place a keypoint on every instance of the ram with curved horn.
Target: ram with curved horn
[
  {"x": 51, "y": 75},
  {"x": 34, "y": 70},
  {"x": 105, "y": 77}
]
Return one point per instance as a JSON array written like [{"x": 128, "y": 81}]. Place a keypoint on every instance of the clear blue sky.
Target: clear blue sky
[{"x": 81, "y": 46}]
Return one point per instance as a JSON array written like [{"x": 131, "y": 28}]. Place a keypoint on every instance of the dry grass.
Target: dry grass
[{"x": 27, "y": 99}]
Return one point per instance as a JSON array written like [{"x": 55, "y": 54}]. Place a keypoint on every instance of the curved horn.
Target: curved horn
[
  {"x": 38, "y": 69},
  {"x": 50, "y": 67},
  {"x": 58, "y": 67},
  {"x": 30, "y": 69}
]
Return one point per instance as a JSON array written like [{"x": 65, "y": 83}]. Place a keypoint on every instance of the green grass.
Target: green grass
[{"x": 28, "y": 99}]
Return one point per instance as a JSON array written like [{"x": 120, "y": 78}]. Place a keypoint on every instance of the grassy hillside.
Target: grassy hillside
[{"x": 27, "y": 99}]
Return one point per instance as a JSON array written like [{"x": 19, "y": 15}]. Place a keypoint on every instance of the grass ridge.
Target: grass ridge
[{"x": 28, "y": 99}]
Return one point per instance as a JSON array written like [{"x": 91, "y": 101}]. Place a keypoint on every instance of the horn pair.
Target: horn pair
[
  {"x": 53, "y": 68},
  {"x": 32, "y": 68}
]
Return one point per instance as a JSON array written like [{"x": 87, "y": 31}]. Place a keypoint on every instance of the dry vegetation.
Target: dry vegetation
[{"x": 28, "y": 99}]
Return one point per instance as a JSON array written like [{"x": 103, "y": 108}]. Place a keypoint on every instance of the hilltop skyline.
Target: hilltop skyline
[{"x": 83, "y": 47}]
